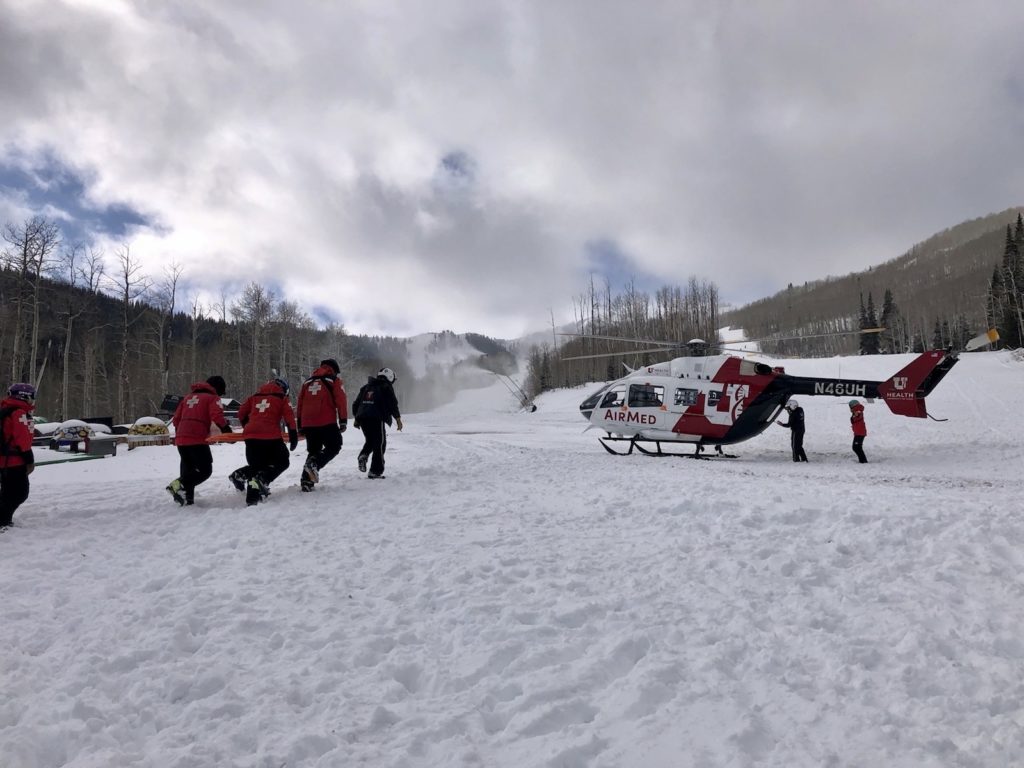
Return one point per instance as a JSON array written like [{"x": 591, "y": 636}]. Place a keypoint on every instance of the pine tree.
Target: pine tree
[
  {"x": 961, "y": 332},
  {"x": 1011, "y": 327},
  {"x": 937, "y": 341},
  {"x": 995, "y": 300},
  {"x": 863, "y": 324},
  {"x": 887, "y": 338},
  {"x": 870, "y": 341}
]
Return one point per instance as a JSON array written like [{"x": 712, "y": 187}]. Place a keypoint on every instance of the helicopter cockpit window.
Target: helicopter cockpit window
[
  {"x": 613, "y": 398},
  {"x": 646, "y": 396},
  {"x": 685, "y": 397}
]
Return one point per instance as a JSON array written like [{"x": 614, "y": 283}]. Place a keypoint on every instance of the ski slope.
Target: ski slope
[{"x": 512, "y": 596}]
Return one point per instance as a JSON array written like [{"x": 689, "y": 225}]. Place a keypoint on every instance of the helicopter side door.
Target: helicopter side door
[{"x": 645, "y": 404}]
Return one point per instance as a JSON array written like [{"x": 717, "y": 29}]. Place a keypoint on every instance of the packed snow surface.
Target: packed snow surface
[{"x": 512, "y": 596}]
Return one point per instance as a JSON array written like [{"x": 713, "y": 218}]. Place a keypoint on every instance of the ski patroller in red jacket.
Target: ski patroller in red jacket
[
  {"x": 16, "y": 433},
  {"x": 195, "y": 413},
  {"x": 322, "y": 399},
  {"x": 262, "y": 413},
  {"x": 857, "y": 422}
]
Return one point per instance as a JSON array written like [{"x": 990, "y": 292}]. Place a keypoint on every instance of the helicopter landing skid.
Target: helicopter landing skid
[{"x": 635, "y": 442}]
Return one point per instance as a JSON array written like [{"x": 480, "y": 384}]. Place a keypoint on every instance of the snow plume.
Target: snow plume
[{"x": 442, "y": 364}]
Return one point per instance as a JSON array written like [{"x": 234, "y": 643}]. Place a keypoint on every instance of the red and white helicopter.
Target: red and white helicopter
[{"x": 720, "y": 399}]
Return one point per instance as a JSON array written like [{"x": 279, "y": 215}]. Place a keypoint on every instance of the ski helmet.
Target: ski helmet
[
  {"x": 22, "y": 391},
  {"x": 282, "y": 384},
  {"x": 792, "y": 404},
  {"x": 333, "y": 364},
  {"x": 387, "y": 374},
  {"x": 218, "y": 384}
]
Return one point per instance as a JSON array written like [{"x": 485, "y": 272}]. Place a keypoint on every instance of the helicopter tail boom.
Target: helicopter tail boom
[{"x": 905, "y": 391}]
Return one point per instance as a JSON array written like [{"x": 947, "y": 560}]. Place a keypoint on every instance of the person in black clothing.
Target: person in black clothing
[
  {"x": 796, "y": 427},
  {"x": 375, "y": 406}
]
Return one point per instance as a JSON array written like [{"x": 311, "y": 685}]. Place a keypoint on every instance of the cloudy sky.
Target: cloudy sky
[{"x": 403, "y": 167}]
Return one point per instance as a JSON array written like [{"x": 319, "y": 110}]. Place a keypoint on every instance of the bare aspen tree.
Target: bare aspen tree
[
  {"x": 83, "y": 269},
  {"x": 29, "y": 255},
  {"x": 165, "y": 296},
  {"x": 129, "y": 285},
  {"x": 253, "y": 309},
  {"x": 195, "y": 320}
]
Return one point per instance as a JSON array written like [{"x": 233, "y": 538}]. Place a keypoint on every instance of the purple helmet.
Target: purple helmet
[{"x": 24, "y": 392}]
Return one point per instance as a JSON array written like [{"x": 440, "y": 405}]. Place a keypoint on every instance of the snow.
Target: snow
[
  {"x": 513, "y": 596},
  {"x": 432, "y": 350}
]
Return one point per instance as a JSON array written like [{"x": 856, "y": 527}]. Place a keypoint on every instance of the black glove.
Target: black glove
[
  {"x": 226, "y": 429},
  {"x": 343, "y": 425},
  {"x": 293, "y": 438},
  {"x": 356, "y": 423},
  {"x": 29, "y": 468}
]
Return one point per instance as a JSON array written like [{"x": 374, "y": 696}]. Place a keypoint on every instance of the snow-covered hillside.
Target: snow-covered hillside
[{"x": 512, "y": 596}]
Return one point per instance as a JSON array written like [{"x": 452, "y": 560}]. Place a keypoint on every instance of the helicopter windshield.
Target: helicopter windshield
[
  {"x": 614, "y": 397},
  {"x": 591, "y": 402}
]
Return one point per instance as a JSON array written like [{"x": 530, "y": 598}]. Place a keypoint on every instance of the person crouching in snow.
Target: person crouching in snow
[
  {"x": 796, "y": 427},
  {"x": 322, "y": 414},
  {"x": 375, "y": 406},
  {"x": 16, "y": 457},
  {"x": 192, "y": 419},
  {"x": 261, "y": 416},
  {"x": 860, "y": 429}
]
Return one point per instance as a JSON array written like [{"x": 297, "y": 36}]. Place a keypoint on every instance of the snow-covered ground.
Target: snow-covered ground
[{"x": 512, "y": 596}]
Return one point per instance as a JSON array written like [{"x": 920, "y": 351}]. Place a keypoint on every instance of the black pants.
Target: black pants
[
  {"x": 376, "y": 443},
  {"x": 796, "y": 440},
  {"x": 13, "y": 492},
  {"x": 323, "y": 444},
  {"x": 267, "y": 459},
  {"x": 196, "y": 467},
  {"x": 858, "y": 448}
]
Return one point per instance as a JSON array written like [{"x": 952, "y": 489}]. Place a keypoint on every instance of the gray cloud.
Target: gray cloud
[{"x": 414, "y": 167}]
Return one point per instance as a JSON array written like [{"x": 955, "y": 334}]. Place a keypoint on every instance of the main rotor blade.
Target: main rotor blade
[
  {"x": 623, "y": 353},
  {"x": 811, "y": 336},
  {"x": 659, "y": 342}
]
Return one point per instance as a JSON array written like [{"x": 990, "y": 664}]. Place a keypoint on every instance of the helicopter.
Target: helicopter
[{"x": 721, "y": 399}]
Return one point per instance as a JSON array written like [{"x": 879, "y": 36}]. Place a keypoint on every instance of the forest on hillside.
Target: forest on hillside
[
  {"x": 938, "y": 294},
  {"x": 101, "y": 341}
]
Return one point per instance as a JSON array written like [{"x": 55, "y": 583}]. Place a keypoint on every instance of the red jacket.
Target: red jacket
[
  {"x": 261, "y": 414},
  {"x": 195, "y": 414},
  {"x": 857, "y": 422},
  {"x": 16, "y": 434},
  {"x": 322, "y": 399}
]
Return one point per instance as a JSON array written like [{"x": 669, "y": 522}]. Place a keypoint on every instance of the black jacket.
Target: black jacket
[
  {"x": 796, "y": 420},
  {"x": 376, "y": 400}
]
